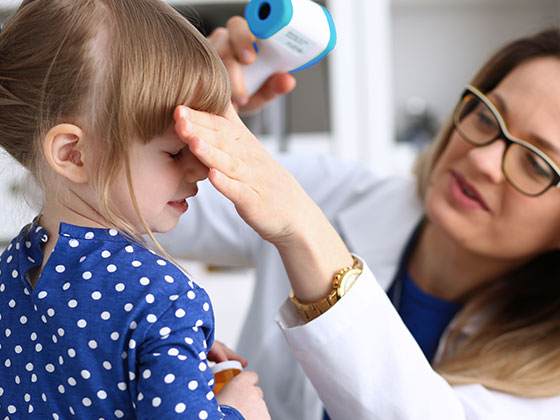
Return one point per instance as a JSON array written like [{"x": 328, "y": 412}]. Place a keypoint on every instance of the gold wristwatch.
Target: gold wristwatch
[{"x": 342, "y": 282}]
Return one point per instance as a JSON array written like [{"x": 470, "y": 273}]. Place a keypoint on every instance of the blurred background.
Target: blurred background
[{"x": 394, "y": 76}]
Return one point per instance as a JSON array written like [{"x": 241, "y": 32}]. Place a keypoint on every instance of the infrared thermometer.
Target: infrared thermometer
[{"x": 292, "y": 35}]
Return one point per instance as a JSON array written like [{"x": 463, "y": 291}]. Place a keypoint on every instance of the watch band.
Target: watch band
[{"x": 311, "y": 310}]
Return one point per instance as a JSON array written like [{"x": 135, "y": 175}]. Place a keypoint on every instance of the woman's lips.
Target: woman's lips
[{"x": 465, "y": 194}]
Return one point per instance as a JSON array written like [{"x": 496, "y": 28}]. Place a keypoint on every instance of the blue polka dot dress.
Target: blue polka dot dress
[{"x": 111, "y": 330}]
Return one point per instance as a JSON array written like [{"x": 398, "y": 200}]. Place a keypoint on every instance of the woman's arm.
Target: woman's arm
[
  {"x": 359, "y": 355},
  {"x": 268, "y": 198},
  {"x": 365, "y": 365}
]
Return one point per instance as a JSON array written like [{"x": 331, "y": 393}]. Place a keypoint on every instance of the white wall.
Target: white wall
[
  {"x": 438, "y": 46},
  {"x": 14, "y": 209}
]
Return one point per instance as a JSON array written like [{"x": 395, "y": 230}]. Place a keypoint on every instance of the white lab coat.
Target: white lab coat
[{"x": 359, "y": 355}]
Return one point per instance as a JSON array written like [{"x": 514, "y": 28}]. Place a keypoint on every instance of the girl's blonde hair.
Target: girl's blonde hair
[
  {"x": 516, "y": 349},
  {"x": 116, "y": 68}
]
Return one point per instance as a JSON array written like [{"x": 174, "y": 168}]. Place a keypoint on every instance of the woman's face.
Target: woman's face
[{"x": 468, "y": 197}]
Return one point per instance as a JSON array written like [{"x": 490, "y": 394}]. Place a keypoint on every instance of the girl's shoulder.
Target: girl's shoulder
[
  {"x": 113, "y": 268},
  {"x": 107, "y": 253}
]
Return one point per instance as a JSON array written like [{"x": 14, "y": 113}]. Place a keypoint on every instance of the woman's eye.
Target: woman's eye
[
  {"x": 487, "y": 121},
  {"x": 537, "y": 167}
]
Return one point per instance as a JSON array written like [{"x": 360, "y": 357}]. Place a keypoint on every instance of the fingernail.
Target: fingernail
[
  {"x": 188, "y": 126},
  {"x": 246, "y": 56},
  {"x": 202, "y": 145},
  {"x": 217, "y": 176},
  {"x": 184, "y": 114},
  {"x": 242, "y": 100}
]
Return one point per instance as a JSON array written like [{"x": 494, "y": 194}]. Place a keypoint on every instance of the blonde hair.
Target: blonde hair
[
  {"x": 116, "y": 68},
  {"x": 516, "y": 349}
]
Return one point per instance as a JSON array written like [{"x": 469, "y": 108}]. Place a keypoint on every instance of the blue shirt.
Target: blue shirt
[
  {"x": 425, "y": 316},
  {"x": 111, "y": 330}
]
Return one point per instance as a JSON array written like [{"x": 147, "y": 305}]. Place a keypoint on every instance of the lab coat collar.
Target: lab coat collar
[{"x": 378, "y": 224}]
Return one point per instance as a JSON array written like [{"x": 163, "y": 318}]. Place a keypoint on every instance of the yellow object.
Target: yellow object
[
  {"x": 342, "y": 282},
  {"x": 225, "y": 372}
]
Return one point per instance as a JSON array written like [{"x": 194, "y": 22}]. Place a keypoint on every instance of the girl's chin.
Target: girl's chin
[{"x": 164, "y": 227}]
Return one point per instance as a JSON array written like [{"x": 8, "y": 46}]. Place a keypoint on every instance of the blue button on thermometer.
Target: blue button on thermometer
[{"x": 291, "y": 35}]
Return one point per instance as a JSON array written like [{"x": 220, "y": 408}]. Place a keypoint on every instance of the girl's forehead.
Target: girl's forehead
[{"x": 168, "y": 138}]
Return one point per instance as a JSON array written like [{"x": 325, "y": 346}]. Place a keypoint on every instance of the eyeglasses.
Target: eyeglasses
[{"x": 526, "y": 168}]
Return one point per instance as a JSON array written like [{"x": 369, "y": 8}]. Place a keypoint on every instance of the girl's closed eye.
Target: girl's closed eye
[{"x": 177, "y": 155}]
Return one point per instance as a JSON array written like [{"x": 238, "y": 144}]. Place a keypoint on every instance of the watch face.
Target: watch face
[{"x": 348, "y": 280}]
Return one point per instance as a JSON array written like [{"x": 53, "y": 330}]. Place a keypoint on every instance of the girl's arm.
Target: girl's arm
[{"x": 169, "y": 372}]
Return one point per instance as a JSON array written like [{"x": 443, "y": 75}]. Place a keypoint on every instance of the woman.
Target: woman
[{"x": 469, "y": 263}]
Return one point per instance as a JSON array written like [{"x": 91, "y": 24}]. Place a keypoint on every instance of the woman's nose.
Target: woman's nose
[{"x": 488, "y": 159}]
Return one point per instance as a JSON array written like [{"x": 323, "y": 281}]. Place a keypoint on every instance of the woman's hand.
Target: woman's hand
[
  {"x": 234, "y": 44},
  {"x": 267, "y": 197},
  {"x": 243, "y": 394},
  {"x": 265, "y": 194},
  {"x": 222, "y": 353}
]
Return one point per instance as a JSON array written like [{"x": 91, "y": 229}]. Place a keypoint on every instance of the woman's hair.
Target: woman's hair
[
  {"x": 115, "y": 68},
  {"x": 516, "y": 348}
]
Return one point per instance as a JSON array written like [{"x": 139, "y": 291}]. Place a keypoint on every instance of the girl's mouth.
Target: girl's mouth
[{"x": 180, "y": 205}]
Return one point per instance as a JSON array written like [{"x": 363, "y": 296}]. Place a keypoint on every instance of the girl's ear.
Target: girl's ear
[{"x": 64, "y": 147}]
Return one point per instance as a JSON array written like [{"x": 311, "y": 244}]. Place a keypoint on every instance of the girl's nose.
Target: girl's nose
[
  {"x": 488, "y": 159},
  {"x": 195, "y": 170}
]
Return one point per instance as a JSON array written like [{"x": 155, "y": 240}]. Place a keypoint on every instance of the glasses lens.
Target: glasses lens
[
  {"x": 526, "y": 170},
  {"x": 475, "y": 122}
]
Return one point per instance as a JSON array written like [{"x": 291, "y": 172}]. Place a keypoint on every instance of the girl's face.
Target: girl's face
[
  {"x": 502, "y": 222},
  {"x": 164, "y": 174}
]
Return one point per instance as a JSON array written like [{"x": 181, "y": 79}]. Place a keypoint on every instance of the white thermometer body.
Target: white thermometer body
[{"x": 291, "y": 35}]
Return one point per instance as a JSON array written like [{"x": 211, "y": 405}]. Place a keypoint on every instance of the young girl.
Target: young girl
[{"x": 93, "y": 324}]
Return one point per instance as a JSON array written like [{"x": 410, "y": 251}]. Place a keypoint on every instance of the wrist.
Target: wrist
[
  {"x": 312, "y": 255},
  {"x": 342, "y": 281}
]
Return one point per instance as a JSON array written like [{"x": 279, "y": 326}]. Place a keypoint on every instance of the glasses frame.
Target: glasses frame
[{"x": 505, "y": 135}]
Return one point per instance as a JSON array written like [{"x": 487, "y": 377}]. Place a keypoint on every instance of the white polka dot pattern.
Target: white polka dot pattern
[{"x": 107, "y": 317}]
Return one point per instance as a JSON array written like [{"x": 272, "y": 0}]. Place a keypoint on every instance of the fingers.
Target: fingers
[
  {"x": 218, "y": 353},
  {"x": 231, "y": 153},
  {"x": 277, "y": 85},
  {"x": 242, "y": 39},
  {"x": 214, "y": 158},
  {"x": 187, "y": 119},
  {"x": 228, "y": 174},
  {"x": 248, "y": 377},
  {"x": 222, "y": 353},
  {"x": 241, "y": 193},
  {"x": 225, "y": 133},
  {"x": 234, "y": 45},
  {"x": 231, "y": 355},
  {"x": 221, "y": 39}
]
